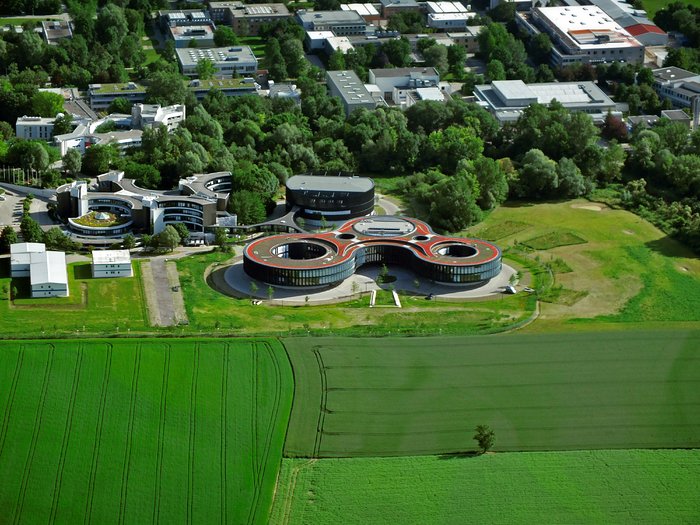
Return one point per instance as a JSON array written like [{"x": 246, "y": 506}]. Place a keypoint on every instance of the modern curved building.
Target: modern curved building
[
  {"x": 198, "y": 202},
  {"x": 326, "y": 259},
  {"x": 329, "y": 197}
]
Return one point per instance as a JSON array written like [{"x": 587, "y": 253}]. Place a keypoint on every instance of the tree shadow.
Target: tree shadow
[
  {"x": 460, "y": 455},
  {"x": 82, "y": 271},
  {"x": 4, "y": 268},
  {"x": 670, "y": 247}
]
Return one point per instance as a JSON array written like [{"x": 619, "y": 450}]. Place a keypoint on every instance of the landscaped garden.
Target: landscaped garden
[{"x": 104, "y": 219}]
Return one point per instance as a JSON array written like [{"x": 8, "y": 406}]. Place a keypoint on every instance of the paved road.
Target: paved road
[
  {"x": 164, "y": 294},
  {"x": 390, "y": 207}
]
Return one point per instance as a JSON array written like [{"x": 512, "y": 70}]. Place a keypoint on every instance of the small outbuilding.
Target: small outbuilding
[{"x": 111, "y": 263}]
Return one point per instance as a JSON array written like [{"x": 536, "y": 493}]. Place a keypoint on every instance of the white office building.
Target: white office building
[
  {"x": 228, "y": 61},
  {"x": 34, "y": 128},
  {"x": 448, "y": 15},
  {"x": 111, "y": 263},
  {"x": 680, "y": 86},
  {"x": 20, "y": 257}
]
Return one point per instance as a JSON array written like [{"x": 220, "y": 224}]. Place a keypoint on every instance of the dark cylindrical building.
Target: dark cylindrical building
[{"x": 333, "y": 198}]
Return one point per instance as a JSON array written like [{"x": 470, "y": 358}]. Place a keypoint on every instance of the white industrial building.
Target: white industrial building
[
  {"x": 506, "y": 99},
  {"x": 448, "y": 15},
  {"x": 680, "y": 86},
  {"x": 34, "y": 128},
  {"x": 47, "y": 271},
  {"x": 20, "y": 257},
  {"x": 349, "y": 88},
  {"x": 582, "y": 34},
  {"x": 366, "y": 11},
  {"x": 228, "y": 61},
  {"x": 342, "y": 23},
  {"x": 403, "y": 77},
  {"x": 111, "y": 263}
]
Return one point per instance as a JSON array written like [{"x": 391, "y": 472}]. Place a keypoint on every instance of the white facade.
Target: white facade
[
  {"x": 20, "y": 257},
  {"x": 48, "y": 274},
  {"x": 150, "y": 115},
  {"x": 228, "y": 61},
  {"x": 111, "y": 263},
  {"x": 449, "y": 21},
  {"x": 582, "y": 34},
  {"x": 34, "y": 128},
  {"x": 678, "y": 85},
  {"x": 407, "y": 77}
]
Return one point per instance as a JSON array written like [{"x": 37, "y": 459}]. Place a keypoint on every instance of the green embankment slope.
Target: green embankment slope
[{"x": 141, "y": 431}]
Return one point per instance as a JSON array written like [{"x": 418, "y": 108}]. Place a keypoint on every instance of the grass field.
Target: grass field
[
  {"x": 652, "y": 6},
  {"x": 94, "y": 305},
  {"x": 412, "y": 396},
  {"x": 209, "y": 310},
  {"x": 141, "y": 431},
  {"x": 605, "y": 486},
  {"x": 630, "y": 271}
]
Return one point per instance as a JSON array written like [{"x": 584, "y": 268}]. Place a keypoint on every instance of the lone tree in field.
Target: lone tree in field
[{"x": 485, "y": 437}]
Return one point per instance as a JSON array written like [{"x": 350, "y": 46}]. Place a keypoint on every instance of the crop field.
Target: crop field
[
  {"x": 604, "y": 486},
  {"x": 141, "y": 431},
  {"x": 94, "y": 305},
  {"x": 413, "y": 396}
]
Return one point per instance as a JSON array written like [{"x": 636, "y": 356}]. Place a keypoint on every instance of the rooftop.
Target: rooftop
[
  {"x": 330, "y": 183},
  {"x": 673, "y": 73},
  {"x": 48, "y": 267},
  {"x": 111, "y": 257},
  {"x": 27, "y": 247},
  {"x": 326, "y": 17},
  {"x": 446, "y": 7},
  {"x": 196, "y": 32},
  {"x": 351, "y": 88},
  {"x": 404, "y": 72},
  {"x": 218, "y": 55},
  {"x": 361, "y": 9},
  {"x": 260, "y": 10}
]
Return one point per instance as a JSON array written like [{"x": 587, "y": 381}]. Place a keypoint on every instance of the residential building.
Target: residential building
[
  {"x": 367, "y": 11},
  {"x": 111, "y": 263},
  {"x": 403, "y": 77},
  {"x": 582, "y": 34},
  {"x": 20, "y": 257},
  {"x": 391, "y": 7},
  {"x": 506, "y": 99},
  {"x": 342, "y": 23},
  {"x": 56, "y": 30},
  {"x": 246, "y": 19},
  {"x": 678, "y": 85},
  {"x": 34, "y": 128},
  {"x": 228, "y": 61},
  {"x": 349, "y": 88}
]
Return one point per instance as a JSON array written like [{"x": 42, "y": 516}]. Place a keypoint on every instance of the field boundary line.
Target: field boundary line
[
  {"x": 254, "y": 424},
  {"x": 223, "y": 453},
  {"x": 161, "y": 433},
  {"x": 192, "y": 434},
  {"x": 274, "y": 412},
  {"x": 124, "y": 492},
  {"x": 11, "y": 397},
  {"x": 35, "y": 435},
  {"x": 324, "y": 400},
  {"x": 288, "y": 502},
  {"x": 98, "y": 434},
  {"x": 58, "y": 483}
]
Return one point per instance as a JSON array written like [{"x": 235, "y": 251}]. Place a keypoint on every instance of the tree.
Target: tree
[
  {"x": 540, "y": 48},
  {"x": 166, "y": 88},
  {"x": 31, "y": 231},
  {"x": 72, "y": 162},
  {"x": 495, "y": 70},
  {"x": 63, "y": 124},
  {"x": 34, "y": 156},
  {"x": 129, "y": 242},
  {"x": 8, "y": 236},
  {"x": 276, "y": 64},
  {"x": 206, "y": 69},
  {"x": 398, "y": 52},
  {"x": 293, "y": 52},
  {"x": 221, "y": 238},
  {"x": 120, "y": 105},
  {"x": 336, "y": 62},
  {"x": 571, "y": 181},
  {"x": 224, "y": 37},
  {"x": 270, "y": 292},
  {"x": 253, "y": 288},
  {"x": 485, "y": 437},
  {"x": 538, "y": 176},
  {"x": 457, "y": 57},
  {"x": 98, "y": 158},
  {"x": 182, "y": 231},
  {"x": 168, "y": 239},
  {"x": 452, "y": 203},
  {"x": 436, "y": 56},
  {"x": 248, "y": 207}
]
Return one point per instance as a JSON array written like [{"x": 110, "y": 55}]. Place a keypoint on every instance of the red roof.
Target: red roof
[{"x": 639, "y": 29}]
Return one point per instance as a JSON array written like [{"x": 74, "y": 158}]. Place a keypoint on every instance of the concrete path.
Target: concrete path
[
  {"x": 389, "y": 206},
  {"x": 161, "y": 282}
]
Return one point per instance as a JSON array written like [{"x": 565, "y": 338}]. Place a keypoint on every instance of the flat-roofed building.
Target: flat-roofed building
[
  {"x": 34, "y": 128},
  {"x": 316, "y": 40},
  {"x": 330, "y": 197},
  {"x": 228, "y": 61},
  {"x": 20, "y": 257},
  {"x": 349, "y": 88},
  {"x": 391, "y": 7},
  {"x": 342, "y": 23},
  {"x": 468, "y": 38},
  {"x": 48, "y": 274},
  {"x": 337, "y": 43},
  {"x": 246, "y": 19},
  {"x": 366, "y": 11},
  {"x": 102, "y": 95},
  {"x": 150, "y": 115},
  {"x": 54, "y": 31},
  {"x": 582, "y": 34},
  {"x": 506, "y": 99},
  {"x": 448, "y": 15},
  {"x": 187, "y": 36},
  {"x": 634, "y": 20},
  {"x": 677, "y": 85},
  {"x": 403, "y": 77},
  {"x": 111, "y": 263}
]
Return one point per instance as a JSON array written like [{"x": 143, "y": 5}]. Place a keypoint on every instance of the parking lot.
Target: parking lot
[{"x": 10, "y": 209}]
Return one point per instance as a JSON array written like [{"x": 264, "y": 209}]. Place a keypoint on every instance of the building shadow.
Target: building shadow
[{"x": 82, "y": 271}]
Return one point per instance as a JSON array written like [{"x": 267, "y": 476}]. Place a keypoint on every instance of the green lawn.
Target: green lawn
[
  {"x": 652, "y": 6},
  {"x": 209, "y": 310},
  {"x": 96, "y": 306},
  {"x": 18, "y": 21},
  {"x": 141, "y": 431},
  {"x": 412, "y": 396},
  {"x": 605, "y": 486}
]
